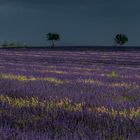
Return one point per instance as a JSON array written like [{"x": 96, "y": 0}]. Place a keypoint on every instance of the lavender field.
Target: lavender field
[{"x": 69, "y": 95}]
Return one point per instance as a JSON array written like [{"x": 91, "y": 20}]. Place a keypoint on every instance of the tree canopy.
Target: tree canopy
[
  {"x": 53, "y": 37},
  {"x": 121, "y": 39}
]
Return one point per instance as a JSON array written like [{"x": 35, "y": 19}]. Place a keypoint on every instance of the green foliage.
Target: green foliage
[
  {"x": 4, "y": 45},
  {"x": 12, "y": 45},
  {"x": 121, "y": 39},
  {"x": 113, "y": 74}
]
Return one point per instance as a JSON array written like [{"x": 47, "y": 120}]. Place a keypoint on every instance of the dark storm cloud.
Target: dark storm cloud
[
  {"x": 33, "y": 2},
  {"x": 94, "y": 2},
  {"x": 99, "y": 8},
  {"x": 92, "y": 7},
  {"x": 28, "y": 20}
]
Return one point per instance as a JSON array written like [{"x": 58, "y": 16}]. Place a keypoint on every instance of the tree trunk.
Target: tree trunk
[{"x": 52, "y": 43}]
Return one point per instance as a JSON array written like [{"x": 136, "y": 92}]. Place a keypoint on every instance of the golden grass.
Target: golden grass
[
  {"x": 31, "y": 78},
  {"x": 54, "y": 71},
  {"x": 114, "y": 84},
  {"x": 66, "y": 104},
  {"x": 57, "y": 81}
]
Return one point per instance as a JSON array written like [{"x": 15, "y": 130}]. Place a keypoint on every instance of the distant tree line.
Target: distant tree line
[
  {"x": 120, "y": 39},
  {"x": 11, "y": 45}
]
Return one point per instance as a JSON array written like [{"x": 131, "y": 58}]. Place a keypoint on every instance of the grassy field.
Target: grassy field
[{"x": 69, "y": 95}]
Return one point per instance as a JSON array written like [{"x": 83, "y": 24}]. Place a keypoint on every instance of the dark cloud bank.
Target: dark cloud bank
[{"x": 80, "y": 22}]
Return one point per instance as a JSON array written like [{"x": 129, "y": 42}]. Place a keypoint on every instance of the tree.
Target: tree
[
  {"x": 53, "y": 37},
  {"x": 14, "y": 44},
  {"x": 121, "y": 39},
  {"x": 5, "y": 44}
]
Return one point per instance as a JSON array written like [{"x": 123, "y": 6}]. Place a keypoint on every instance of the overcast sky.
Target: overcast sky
[{"x": 79, "y": 22}]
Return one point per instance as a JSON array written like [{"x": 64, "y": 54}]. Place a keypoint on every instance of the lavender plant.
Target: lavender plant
[{"x": 58, "y": 95}]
